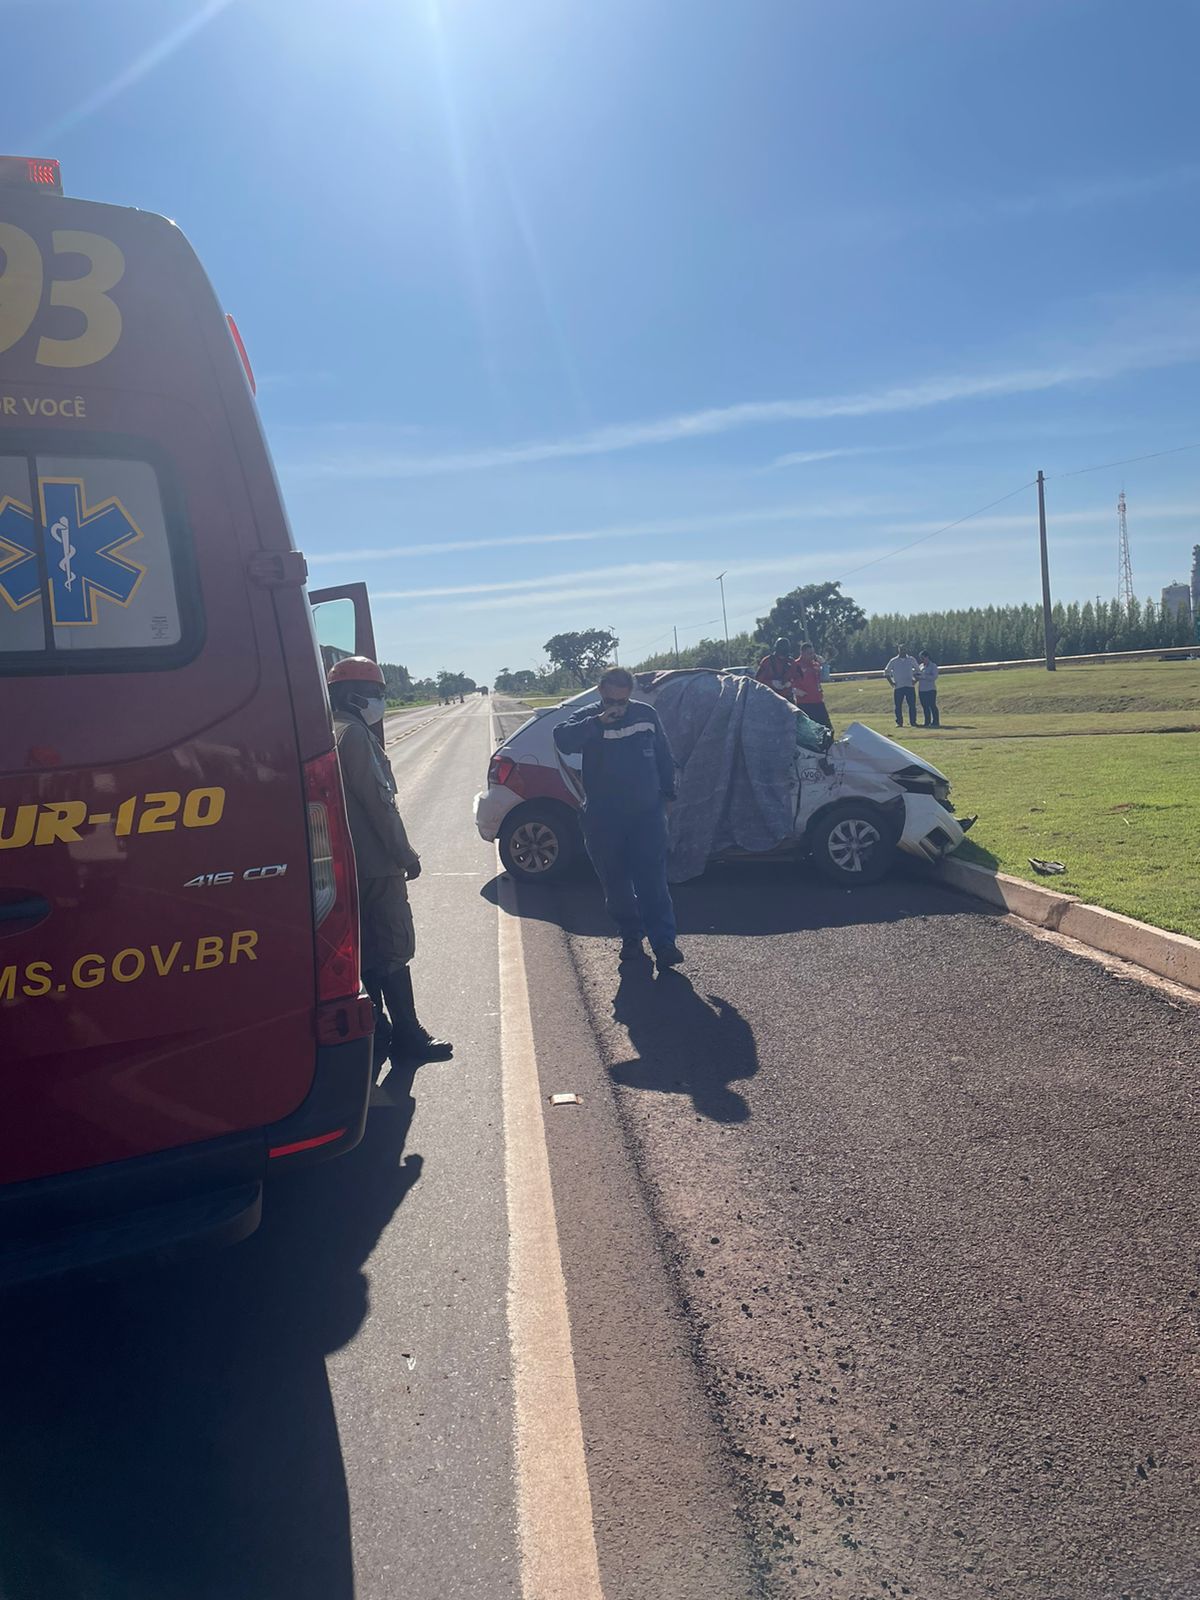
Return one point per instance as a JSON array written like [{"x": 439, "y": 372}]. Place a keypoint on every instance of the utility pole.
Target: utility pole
[
  {"x": 675, "y": 631},
  {"x": 724, "y": 615},
  {"x": 616, "y": 646},
  {"x": 1047, "y": 618}
]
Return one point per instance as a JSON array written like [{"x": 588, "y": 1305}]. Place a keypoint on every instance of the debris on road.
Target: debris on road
[{"x": 566, "y": 1100}]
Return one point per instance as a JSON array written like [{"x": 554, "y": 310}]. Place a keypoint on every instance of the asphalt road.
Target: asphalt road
[
  {"x": 926, "y": 1187},
  {"x": 877, "y": 1224},
  {"x": 323, "y": 1411}
]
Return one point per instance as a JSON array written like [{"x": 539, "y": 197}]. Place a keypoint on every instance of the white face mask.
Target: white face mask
[{"x": 373, "y": 707}]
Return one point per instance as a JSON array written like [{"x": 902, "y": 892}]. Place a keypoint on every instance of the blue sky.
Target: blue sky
[{"x": 561, "y": 308}]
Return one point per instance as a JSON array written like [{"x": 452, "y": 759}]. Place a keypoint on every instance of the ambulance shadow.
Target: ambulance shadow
[
  {"x": 172, "y": 1436},
  {"x": 685, "y": 1043}
]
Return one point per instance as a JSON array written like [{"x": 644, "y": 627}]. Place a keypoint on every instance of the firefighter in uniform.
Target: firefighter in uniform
[{"x": 386, "y": 864}]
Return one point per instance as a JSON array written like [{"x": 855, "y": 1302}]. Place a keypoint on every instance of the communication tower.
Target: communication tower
[{"x": 1124, "y": 566}]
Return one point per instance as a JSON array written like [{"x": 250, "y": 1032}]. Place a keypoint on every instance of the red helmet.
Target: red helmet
[{"x": 356, "y": 669}]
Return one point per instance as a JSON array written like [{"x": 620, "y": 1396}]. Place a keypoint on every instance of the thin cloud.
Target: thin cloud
[
  {"x": 293, "y": 380},
  {"x": 980, "y": 210},
  {"x": 1101, "y": 515},
  {"x": 1178, "y": 346},
  {"x": 1087, "y": 192},
  {"x": 805, "y": 458},
  {"x": 627, "y": 530},
  {"x": 804, "y": 514},
  {"x": 636, "y": 577},
  {"x": 140, "y": 67},
  {"x": 649, "y": 570},
  {"x": 642, "y": 578}
]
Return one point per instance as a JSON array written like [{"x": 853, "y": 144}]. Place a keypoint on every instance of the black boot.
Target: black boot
[
  {"x": 411, "y": 1043},
  {"x": 373, "y": 984}
]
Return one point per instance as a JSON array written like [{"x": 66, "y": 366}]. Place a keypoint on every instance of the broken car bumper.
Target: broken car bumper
[
  {"x": 930, "y": 831},
  {"x": 491, "y": 808}
]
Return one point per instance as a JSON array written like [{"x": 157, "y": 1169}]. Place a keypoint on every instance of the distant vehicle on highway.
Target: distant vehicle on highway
[{"x": 859, "y": 802}]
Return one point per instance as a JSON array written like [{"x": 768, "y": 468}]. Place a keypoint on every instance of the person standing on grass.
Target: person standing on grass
[
  {"x": 778, "y": 670},
  {"x": 927, "y": 676},
  {"x": 628, "y": 782},
  {"x": 806, "y": 675},
  {"x": 901, "y": 673}
]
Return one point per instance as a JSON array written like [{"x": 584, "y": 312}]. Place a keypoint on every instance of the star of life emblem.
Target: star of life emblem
[{"x": 86, "y": 553}]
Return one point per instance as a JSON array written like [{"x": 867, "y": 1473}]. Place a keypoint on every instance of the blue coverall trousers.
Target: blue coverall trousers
[{"x": 629, "y": 853}]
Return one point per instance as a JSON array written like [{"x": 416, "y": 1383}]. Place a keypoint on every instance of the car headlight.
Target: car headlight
[{"x": 916, "y": 780}]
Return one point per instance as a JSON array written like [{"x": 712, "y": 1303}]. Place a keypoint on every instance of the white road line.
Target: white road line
[{"x": 554, "y": 1503}]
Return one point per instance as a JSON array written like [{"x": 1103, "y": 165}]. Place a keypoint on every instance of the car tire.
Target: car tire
[
  {"x": 539, "y": 844},
  {"x": 852, "y": 844}
]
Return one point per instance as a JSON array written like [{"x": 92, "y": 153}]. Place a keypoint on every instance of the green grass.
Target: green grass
[
  {"x": 1123, "y": 697},
  {"x": 1072, "y": 766},
  {"x": 1120, "y": 814}
]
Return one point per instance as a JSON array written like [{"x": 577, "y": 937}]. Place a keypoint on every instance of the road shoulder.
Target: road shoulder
[{"x": 664, "y": 1501}]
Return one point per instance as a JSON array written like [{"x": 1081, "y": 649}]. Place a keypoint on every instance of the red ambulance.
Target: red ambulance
[{"x": 180, "y": 1006}]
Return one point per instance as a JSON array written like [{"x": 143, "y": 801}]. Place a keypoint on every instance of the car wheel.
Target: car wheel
[
  {"x": 539, "y": 844},
  {"x": 852, "y": 844}
]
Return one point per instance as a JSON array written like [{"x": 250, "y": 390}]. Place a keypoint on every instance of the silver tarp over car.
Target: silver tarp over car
[{"x": 735, "y": 743}]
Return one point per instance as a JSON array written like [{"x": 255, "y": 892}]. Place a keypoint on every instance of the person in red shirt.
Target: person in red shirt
[
  {"x": 777, "y": 670},
  {"x": 806, "y": 679}
]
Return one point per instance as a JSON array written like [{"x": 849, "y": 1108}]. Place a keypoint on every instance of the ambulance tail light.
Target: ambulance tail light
[{"x": 335, "y": 896}]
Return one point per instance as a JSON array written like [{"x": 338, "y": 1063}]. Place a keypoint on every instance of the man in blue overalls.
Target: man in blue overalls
[{"x": 628, "y": 779}]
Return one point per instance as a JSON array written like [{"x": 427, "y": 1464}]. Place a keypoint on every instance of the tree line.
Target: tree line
[
  {"x": 1013, "y": 633},
  {"x": 853, "y": 642},
  {"x": 403, "y": 689}
]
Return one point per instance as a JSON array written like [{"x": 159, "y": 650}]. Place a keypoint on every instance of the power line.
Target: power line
[
  {"x": 875, "y": 561},
  {"x": 925, "y": 537},
  {"x": 688, "y": 627},
  {"x": 1078, "y": 472},
  {"x": 1153, "y": 455},
  {"x": 958, "y": 521},
  {"x": 1124, "y": 462}
]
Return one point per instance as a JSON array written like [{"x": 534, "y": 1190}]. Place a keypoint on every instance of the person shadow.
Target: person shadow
[
  {"x": 170, "y": 1434},
  {"x": 684, "y": 1042}
]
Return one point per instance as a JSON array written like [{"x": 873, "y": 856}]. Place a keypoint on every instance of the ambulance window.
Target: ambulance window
[
  {"x": 89, "y": 564},
  {"x": 109, "y": 569},
  {"x": 20, "y": 609},
  {"x": 334, "y": 622}
]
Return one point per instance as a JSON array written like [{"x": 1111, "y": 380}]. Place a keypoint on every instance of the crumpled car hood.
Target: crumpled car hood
[{"x": 883, "y": 754}]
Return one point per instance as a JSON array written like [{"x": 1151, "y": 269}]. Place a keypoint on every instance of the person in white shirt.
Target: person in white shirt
[
  {"x": 927, "y": 675},
  {"x": 901, "y": 673}
]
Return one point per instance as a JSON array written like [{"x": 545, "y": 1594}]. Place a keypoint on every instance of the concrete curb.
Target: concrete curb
[
  {"x": 1040, "y": 906},
  {"x": 1170, "y": 955}
]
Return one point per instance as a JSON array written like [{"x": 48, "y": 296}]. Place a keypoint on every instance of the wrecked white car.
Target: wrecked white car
[{"x": 756, "y": 778}]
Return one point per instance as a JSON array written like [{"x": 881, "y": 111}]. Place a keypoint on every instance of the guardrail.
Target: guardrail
[{"x": 1163, "y": 653}]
